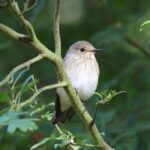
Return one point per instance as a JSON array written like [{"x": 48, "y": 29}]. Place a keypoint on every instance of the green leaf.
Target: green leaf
[
  {"x": 12, "y": 120},
  {"x": 42, "y": 142},
  {"x": 21, "y": 124},
  {"x": 4, "y": 97},
  {"x": 145, "y": 24},
  {"x": 8, "y": 116},
  {"x": 107, "y": 96}
]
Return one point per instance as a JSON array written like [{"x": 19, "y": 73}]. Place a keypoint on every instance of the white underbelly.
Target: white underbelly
[
  {"x": 84, "y": 79},
  {"x": 85, "y": 85}
]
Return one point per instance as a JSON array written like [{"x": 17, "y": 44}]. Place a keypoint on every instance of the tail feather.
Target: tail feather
[{"x": 61, "y": 117}]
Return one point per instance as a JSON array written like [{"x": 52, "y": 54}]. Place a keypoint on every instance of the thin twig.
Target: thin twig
[
  {"x": 26, "y": 8},
  {"x": 58, "y": 129},
  {"x": 21, "y": 66},
  {"x": 86, "y": 145},
  {"x": 56, "y": 28},
  {"x": 41, "y": 90}
]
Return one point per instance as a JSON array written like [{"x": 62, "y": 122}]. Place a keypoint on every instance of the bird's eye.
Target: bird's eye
[{"x": 82, "y": 49}]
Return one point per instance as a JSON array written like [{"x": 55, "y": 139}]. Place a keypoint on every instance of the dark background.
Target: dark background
[{"x": 106, "y": 24}]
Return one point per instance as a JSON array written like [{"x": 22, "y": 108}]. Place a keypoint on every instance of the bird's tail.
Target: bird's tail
[{"x": 61, "y": 117}]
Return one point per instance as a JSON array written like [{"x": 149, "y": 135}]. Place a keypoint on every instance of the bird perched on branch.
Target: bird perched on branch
[{"x": 83, "y": 72}]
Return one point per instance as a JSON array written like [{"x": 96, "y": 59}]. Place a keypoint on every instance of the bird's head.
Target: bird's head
[{"x": 82, "y": 49}]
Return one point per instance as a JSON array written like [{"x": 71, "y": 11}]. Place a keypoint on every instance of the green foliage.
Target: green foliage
[
  {"x": 107, "y": 96},
  {"x": 65, "y": 138},
  {"x": 4, "y": 97},
  {"x": 145, "y": 24},
  {"x": 62, "y": 140},
  {"x": 13, "y": 122}
]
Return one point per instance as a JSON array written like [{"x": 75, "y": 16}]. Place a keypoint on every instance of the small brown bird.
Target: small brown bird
[{"x": 83, "y": 72}]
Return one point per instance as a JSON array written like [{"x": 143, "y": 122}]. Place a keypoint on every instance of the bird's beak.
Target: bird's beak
[{"x": 97, "y": 50}]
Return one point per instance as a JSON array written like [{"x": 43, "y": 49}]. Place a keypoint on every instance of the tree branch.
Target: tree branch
[
  {"x": 139, "y": 47},
  {"x": 56, "y": 28},
  {"x": 41, "y": 90},
  {"x": 10, "y": 32},
  {"x": 26, "y": 24},
  {"x": 36, "y": 44},
  {"x": 26, "y": 6},
  {"x": 21, "y": 66}
]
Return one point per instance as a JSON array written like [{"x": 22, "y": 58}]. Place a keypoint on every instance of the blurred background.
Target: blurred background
[{"x": 125, "y": 66}]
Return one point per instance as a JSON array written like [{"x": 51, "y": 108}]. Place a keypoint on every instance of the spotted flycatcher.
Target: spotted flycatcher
[{"x": 83, "y": 72}]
